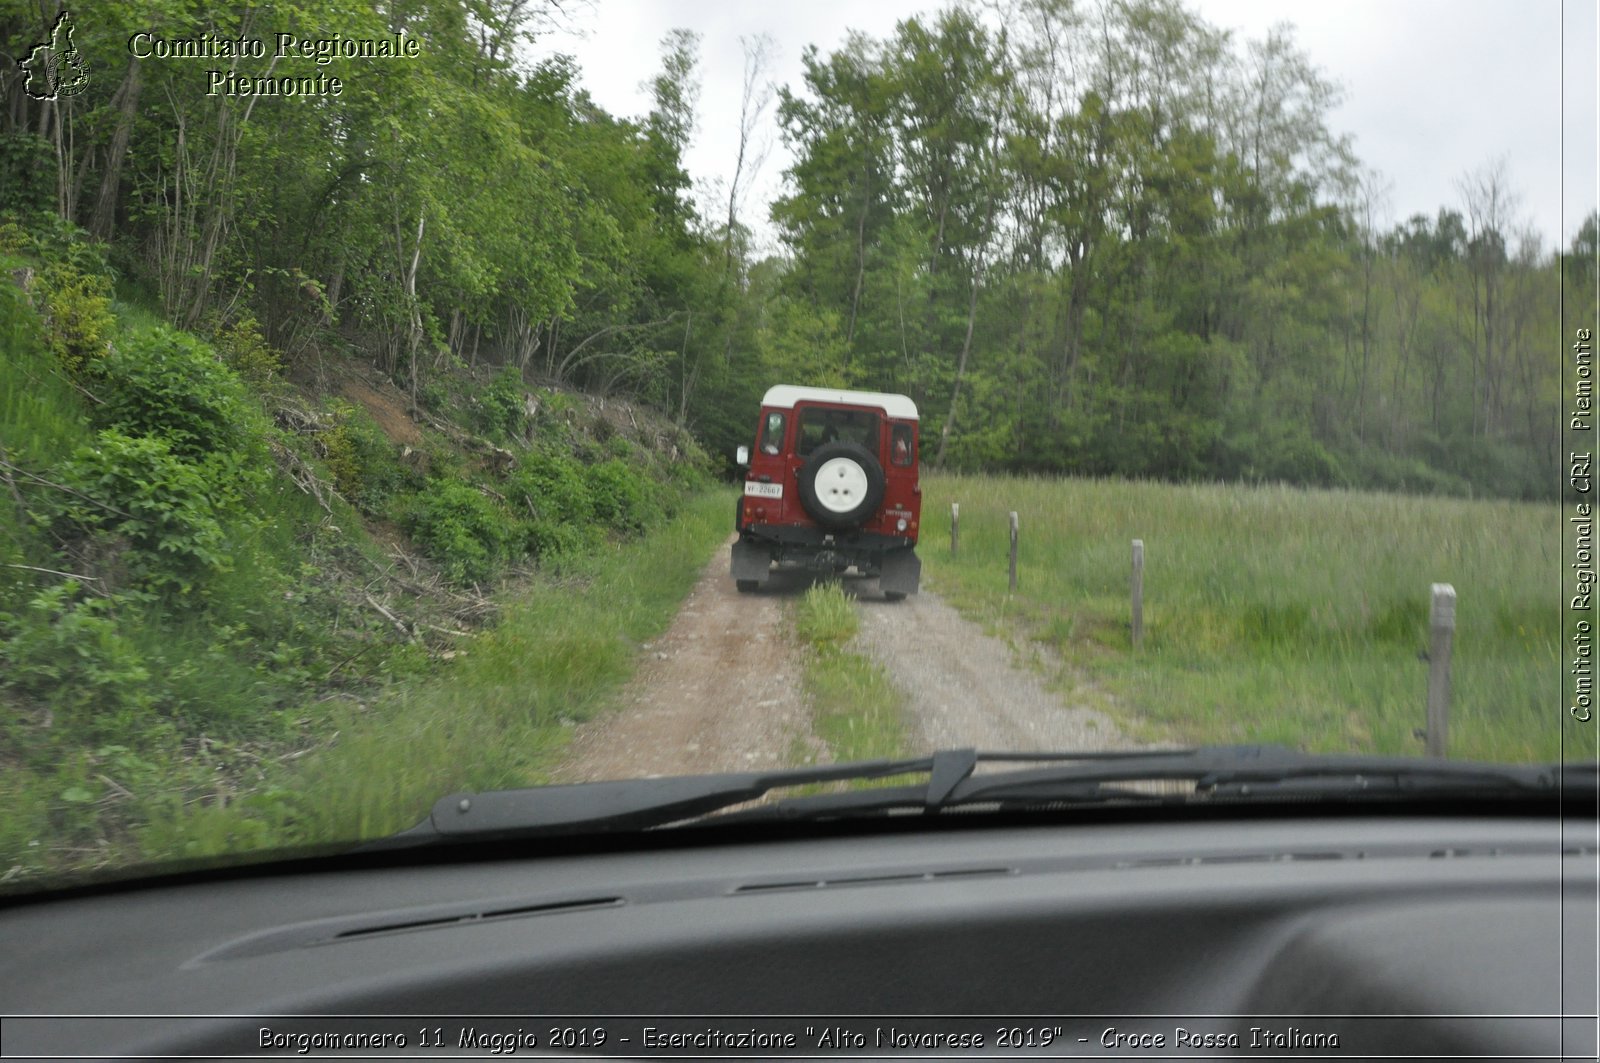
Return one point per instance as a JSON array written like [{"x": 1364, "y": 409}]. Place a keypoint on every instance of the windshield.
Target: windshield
[{"x": 372, "y": 377}]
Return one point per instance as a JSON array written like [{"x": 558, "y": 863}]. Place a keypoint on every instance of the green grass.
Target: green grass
[
  {"x": 494, "y": 719},
  {"x": 856, "y": 710},
  {"x": 1272, "y": 614}
]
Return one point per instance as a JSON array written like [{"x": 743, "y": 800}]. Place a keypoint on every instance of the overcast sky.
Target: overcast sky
[{"x": 1432, "y": 88}]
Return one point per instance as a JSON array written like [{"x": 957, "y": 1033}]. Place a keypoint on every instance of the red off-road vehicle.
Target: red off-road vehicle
[{"x": 831, "y": 485}]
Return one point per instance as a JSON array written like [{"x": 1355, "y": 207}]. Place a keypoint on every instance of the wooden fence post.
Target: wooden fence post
[
  {"x": 1138, "y": 593},
  {"x": 1013, "y": 550},
  {"x": 955, "y": 527},
  {"x": 1442, "y": 625}
]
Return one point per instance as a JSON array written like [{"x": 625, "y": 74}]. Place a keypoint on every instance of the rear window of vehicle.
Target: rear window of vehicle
[{"x": 819, "y": 426}]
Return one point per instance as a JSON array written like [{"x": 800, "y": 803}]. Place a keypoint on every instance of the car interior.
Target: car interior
[{"x": 1434, "y": 932}]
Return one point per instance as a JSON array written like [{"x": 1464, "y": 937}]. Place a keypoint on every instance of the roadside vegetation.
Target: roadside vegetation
[
  {"x": 856, "y": 710},
  {"x": 493, "y": 717},
  {"x": 209, "y": 570},
  {"x": 1272, "y": 614}
]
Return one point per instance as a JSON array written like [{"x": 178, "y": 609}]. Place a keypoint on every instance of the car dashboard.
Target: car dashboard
[{"x": 1389, "y": 934}]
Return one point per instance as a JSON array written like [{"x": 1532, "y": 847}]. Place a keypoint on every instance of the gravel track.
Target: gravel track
[
  {"x": 721, "y": 690},
  {"x": 962, "y": 686}
]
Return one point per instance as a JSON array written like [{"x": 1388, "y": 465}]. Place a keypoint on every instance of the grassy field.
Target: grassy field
[{"x": 1272, "y": 614}]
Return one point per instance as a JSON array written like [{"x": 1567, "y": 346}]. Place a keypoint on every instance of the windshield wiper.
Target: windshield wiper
[
  {"x": 1211, "y": 772},
  {"x": 1188, "y": 776},
  {"x": 629, "y": 804}
]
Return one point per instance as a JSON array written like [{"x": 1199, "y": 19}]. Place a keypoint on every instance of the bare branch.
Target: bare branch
[{"x": 53, "y": 572}]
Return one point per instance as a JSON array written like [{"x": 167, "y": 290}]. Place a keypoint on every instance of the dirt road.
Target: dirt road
[{"x": 721, "y": 690}]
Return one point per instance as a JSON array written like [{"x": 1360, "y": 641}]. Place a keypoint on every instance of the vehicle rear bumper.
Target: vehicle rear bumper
[{"x": 791, "y": 536}]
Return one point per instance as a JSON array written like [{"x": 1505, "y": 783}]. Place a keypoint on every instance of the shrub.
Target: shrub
[
  {"x": 622, "y": 448},
  {"x": 339, "y": 450},
  {"x": 76, "y": 308},
  {"x": 434, "y": 395},
  {"x": 622, "y": 498},
  {"x": 382, "y": 472},
  {"x": 139, "y": 491},
  {"x": 502, "y": 412},
  {"x": 461, "y": 529},
  {"x": 552, "y": 488},
  {"x": 70, "y": 653},
  {"x": 48, "y": 236},
  {"x": 555, "y": 543},
  {"x": 164, "y": 383},
  {"x": 1290, "y": 455},
  {"x": 27, "y": 173},
  {"x": 244, "y": 350}
]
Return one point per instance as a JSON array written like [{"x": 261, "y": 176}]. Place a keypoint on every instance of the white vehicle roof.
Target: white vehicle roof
[{"x": 784, "y": 396}]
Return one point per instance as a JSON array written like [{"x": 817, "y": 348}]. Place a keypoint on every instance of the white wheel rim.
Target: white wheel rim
[{"x": 841, "y": 485}]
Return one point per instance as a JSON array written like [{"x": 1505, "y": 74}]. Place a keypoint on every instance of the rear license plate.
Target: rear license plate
[{"x": 759, "y": 490}]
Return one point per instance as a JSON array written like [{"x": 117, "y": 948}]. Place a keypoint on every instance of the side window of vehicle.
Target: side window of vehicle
[
  {"x": 900, "y": 445},
  {"x": 772, "y": 433}
]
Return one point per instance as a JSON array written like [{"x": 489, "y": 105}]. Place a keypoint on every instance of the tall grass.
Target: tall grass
[{"x": 1273, "y": 614}]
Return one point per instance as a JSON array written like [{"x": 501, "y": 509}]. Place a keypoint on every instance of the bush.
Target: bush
[
  {"x": 434, "y": 395},
  {"x": 140, "y": 492},
  {"x": 70, "y": 653},
  {"x": 76, "y": 308},
  {"x": 383, "y": 475},
  {"x": 622, "y": 499},
  {"x": 244, "y": 350},
  {"x": 339, "y": 450},
  {"x": 1392, "y": 472},
  {"x": 500, "y": 405},
  {"x": 48, "y": 236},
  {"x": 619, "y": 447},
  {"x": 555, "y": 543},
  {"x": 165, "y": 383},
  {"x": 552, "y": 488},
  {"x": 461, "y": 529},
  {"x": 1282, "y": 453},
  {"x": 27, "y": 173}
]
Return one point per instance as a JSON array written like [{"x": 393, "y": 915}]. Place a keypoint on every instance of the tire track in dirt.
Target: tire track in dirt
[
  {"x": 719, "y": 691},
  {"x": 961, "y": 684}
]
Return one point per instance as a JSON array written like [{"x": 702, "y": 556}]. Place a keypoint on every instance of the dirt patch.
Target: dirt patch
[
  {"x": 389, "y": 410},
  {"x": 720, "y": 691}
]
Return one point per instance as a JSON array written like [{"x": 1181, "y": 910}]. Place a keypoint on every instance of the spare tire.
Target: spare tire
[{"x": 841, "y": 485}]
